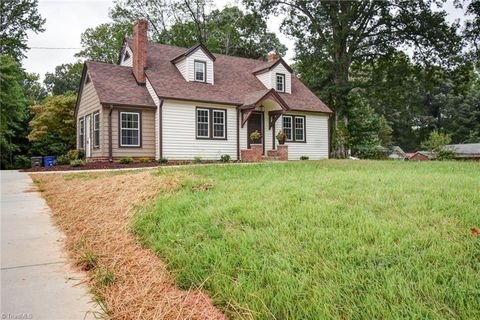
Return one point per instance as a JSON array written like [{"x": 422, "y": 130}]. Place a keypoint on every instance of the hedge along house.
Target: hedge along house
[{"x": 178, "y": 103}]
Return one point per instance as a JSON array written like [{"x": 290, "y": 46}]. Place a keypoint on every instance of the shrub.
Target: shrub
[
  {"x": 105, "y": 276},
  {"x": 76, "y": 154},
  {"x": 21, "y": 162},
  {"x": 76, "y": 163},
  {"x": 162, "y": 160},
  {"x": 63, "y": 159},
  {"x": 125, "y": 160},
  {"x": 225, "y": 158},
  {"x": 445, "y": 154},
  {"x": 197, "y": 160},
  {"x": 144, "y": 160},
  {"x": 304, "y": 158}
]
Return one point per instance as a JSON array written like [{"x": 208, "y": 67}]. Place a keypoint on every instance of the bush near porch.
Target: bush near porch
[{"x": 327, "y": 239}]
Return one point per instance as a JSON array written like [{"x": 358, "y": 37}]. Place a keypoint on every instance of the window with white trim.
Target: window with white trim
[
  {"x": 96, "y": 130},
  {"x": 203, "y": 123},
  {"x": 129, "y": 129},
  {"x": 211, "y": 123},
  {"x": 200, "y": 71},
  {"x": 280, "y": 82},
  {"x": 294, "y": 128},
  {"x": 287, "y": 127},
  {"x": 218, "y": 123},
  {"x": 81, "y": 133},
  {"x": 299, "y": 129}
]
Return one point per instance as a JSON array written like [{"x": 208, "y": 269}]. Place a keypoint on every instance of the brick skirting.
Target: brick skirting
[{"x": 254, "y": 154}]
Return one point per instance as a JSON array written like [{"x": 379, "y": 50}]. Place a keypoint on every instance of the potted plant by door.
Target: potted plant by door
[
  {"x": 255, "y": 136},
  {"x": 281, "y": 137}
]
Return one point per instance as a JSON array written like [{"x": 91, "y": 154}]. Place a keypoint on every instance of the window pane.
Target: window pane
[
  {"x": 202, "y": 123},
  {"x": 218, "y": 124},
  {"x": 287, "y": 127},
  {"x": 199, "y": 71},
  {"x": 299, "y": 129},
  {"x": 280, "y": 82},
  {"x": 130, "y": 129}
]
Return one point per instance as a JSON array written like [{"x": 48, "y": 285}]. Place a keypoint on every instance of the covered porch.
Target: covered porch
[{"x": 262, "y": 113}]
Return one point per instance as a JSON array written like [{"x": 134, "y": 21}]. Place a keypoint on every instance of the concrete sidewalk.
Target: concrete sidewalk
[{"x": 36, "y": 281}]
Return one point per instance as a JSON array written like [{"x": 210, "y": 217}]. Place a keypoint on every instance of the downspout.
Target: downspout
[
  {"x": 110, "y": 143},
  {"x": 238, "y": 134},
  {"x": 160, "y": 130}
]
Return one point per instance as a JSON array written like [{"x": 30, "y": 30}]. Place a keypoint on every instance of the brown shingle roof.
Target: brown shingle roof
[
  {"x": 116, "y": 85},
  {"x": 233, "y": 80}
]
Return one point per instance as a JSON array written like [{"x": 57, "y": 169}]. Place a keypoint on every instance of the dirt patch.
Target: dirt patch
[{"x": 96, "y": 217}]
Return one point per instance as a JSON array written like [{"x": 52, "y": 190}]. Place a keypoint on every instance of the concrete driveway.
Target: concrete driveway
[{"x": 36, "y": 281}]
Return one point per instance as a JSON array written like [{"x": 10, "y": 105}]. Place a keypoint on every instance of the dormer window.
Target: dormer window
[
  {"x": 200, "y": 71},
  {"x": 126, "y": 56},
  {"x": 280, "y": 82}
]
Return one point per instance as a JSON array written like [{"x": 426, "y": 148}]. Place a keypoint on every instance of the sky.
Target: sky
[{"x": 67, "y": 19}]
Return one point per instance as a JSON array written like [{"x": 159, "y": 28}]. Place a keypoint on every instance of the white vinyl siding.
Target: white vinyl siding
[
  {"x": 182, "y": 67},
  {"x": 269, "y": 78},
  {"x": 127, "y": 62},
  {"x": 316, "y": 138},
  {"x": 199, "y": 55},
  {"x": 180, "y": 132}
]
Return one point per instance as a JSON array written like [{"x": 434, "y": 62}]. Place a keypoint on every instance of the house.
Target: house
[
  {"x": 397, "y": 154},
  {"x": 422, "y": 156},
  {"x": 178, "y": 103},
  {"x": 466, "y": 151}
]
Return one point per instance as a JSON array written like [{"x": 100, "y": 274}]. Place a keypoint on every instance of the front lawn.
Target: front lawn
[{"x": 328, "y": 239}]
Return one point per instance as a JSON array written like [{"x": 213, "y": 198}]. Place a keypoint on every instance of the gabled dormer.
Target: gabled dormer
[
  {"x": 275, "y": 74},
  {"x": 196, "y": 64}
]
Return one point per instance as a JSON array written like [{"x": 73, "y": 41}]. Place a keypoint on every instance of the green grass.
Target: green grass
[{"x": 327, "y": 239}]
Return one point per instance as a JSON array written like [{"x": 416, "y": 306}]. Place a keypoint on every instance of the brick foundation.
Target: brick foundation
[
  {"x": 281, "y": 153},
  {"x": 253, "y": 154}
]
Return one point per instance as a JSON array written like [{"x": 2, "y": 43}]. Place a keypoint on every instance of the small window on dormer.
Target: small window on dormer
[
  {"x": 200, "y": 70},
  {"x": 126, "y": 56},
  {"x": 280, "y": 82},
  {"x": 87, "y": 79}
]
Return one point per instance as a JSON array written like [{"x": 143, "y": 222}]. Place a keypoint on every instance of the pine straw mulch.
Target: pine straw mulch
[{"x": 95, "y": 214}]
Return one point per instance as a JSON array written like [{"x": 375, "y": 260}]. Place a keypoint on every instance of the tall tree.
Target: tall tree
[
  {"x": 103, "y": 43},
  {"x": 53, "y": 125},
  {"x": 472, "y": 29},
  {"x": 187, "y": 22},
  {"x": 13, "y": 109},
  {"x": 18, "y": 17},
  {"x": 332, "y": 35},
  {"x": 66, "y": 78}
]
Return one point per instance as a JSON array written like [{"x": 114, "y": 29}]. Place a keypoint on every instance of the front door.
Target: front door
[
  {"x": 88, "y": 149},
  {"x": 254, "y": 124}
]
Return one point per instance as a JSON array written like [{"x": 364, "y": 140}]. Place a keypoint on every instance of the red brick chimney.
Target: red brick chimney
[
  {"x": 140, "y": 50},
  {"x": 272, "y": 56}
]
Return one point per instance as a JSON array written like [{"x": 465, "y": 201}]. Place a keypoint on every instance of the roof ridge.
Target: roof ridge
[
  {"x": 216, "y": 54},
  {"x": 107, "y": 64}
]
